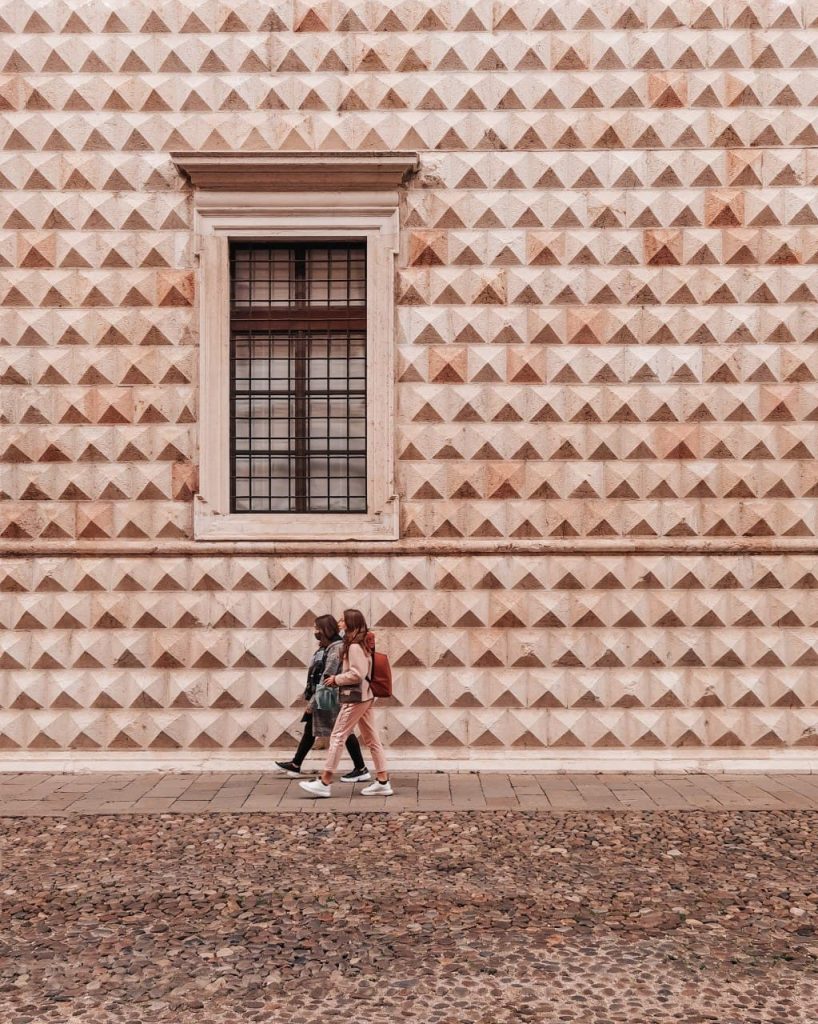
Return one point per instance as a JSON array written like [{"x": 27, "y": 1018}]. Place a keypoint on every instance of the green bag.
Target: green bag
[{"x": 325, "y": 706}]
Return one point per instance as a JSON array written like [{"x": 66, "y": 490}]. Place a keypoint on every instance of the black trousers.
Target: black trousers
[{"x": 308, "y": 739}]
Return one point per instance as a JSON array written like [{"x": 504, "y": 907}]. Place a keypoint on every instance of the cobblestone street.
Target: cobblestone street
[{"x": 465, "y": 917}]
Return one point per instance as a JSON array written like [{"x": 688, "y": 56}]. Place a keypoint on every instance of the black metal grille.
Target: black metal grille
[{"x": 298, "y": 377}]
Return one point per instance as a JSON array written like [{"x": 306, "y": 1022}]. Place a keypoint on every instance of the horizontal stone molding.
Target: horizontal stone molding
[
  {"x": 174, "y": 548},
  {"x": 557, "y": 762}
]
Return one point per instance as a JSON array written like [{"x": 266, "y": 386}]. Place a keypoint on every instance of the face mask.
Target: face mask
[{"x": 317, "y": 636}]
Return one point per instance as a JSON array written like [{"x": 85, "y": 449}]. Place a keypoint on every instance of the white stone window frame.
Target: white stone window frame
[{"x": 351, "y": 213}]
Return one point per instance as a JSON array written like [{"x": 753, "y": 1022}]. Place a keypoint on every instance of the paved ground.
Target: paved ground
[
  {"x": 465, "y": 917},
  {"x": 645, "y": 900},
  {"x": 220, "y": 792}
]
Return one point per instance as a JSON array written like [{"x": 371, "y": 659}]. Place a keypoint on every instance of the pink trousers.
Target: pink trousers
[{"x": 351, "y": 716}]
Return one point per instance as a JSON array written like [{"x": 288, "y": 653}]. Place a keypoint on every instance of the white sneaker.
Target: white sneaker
[
  {"x": 317, "y": 788},
  {"x": 377, "y": 789}
]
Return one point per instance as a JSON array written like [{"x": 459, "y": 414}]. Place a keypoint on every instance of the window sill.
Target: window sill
[{"x": 209, "y": 524}]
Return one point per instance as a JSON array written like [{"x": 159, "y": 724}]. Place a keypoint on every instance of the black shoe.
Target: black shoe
[
  {"x": 357, "y": 775},
  {"x": 290, "y": 768}
]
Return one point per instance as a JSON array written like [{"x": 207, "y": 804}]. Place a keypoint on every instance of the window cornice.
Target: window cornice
[{"x": 275, "y": 171}]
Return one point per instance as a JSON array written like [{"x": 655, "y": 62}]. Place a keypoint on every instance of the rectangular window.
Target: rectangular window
[
  {"x": 297, "y": 353},
  {"x": 298, "y": 377}
]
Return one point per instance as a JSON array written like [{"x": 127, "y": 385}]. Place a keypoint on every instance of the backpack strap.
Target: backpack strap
[{"x": 371, "y": 665}]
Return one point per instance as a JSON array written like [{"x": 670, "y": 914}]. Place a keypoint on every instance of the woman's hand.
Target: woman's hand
[{"x": 329, "y": 681}]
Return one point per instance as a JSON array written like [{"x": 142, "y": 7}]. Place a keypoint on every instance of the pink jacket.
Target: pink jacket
[{"x": 355, "y": 670}]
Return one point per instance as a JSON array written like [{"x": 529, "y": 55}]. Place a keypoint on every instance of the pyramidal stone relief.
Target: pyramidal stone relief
[{"x": 605, "y": 363}]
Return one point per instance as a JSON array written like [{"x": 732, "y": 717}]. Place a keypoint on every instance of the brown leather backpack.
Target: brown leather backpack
[{"x": 380, "y": 675}]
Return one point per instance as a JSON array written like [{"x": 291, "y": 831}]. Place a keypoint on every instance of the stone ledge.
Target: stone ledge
[
  {"x": 403, "y": 548},
  {"x": 581, "y": 761},
  {"x": 296, "y": 171}
]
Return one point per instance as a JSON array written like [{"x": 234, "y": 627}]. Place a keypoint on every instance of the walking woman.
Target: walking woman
[
  {"x": 322, "y": 708},
  {"x": 356, "y": 668}
]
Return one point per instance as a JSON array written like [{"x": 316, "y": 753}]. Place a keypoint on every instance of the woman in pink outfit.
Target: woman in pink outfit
[{"x": 357, "y": 667}]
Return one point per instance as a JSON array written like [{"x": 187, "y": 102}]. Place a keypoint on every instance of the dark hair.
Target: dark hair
[
  {"x": 356, "y": 629},
  {"x": 327, "y": 627}
]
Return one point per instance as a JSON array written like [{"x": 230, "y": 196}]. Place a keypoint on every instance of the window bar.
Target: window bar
[
  {"x": 298, "y": 377},
  {"x": 233, "y": 389},
  {"x": 300, "y": 341}
]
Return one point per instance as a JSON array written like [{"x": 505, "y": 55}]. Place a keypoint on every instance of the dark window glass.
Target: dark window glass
[{"x": 298, "y": 377}]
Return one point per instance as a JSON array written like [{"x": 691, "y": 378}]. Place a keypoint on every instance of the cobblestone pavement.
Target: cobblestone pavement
[{"x": 441, "y": 918}]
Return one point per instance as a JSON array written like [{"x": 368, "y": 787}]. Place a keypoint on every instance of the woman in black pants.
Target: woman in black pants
[{"x": 325, "y": 662}]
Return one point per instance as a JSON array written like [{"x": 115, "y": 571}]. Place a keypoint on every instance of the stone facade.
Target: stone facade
[{"x": 607, "y": 414}]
